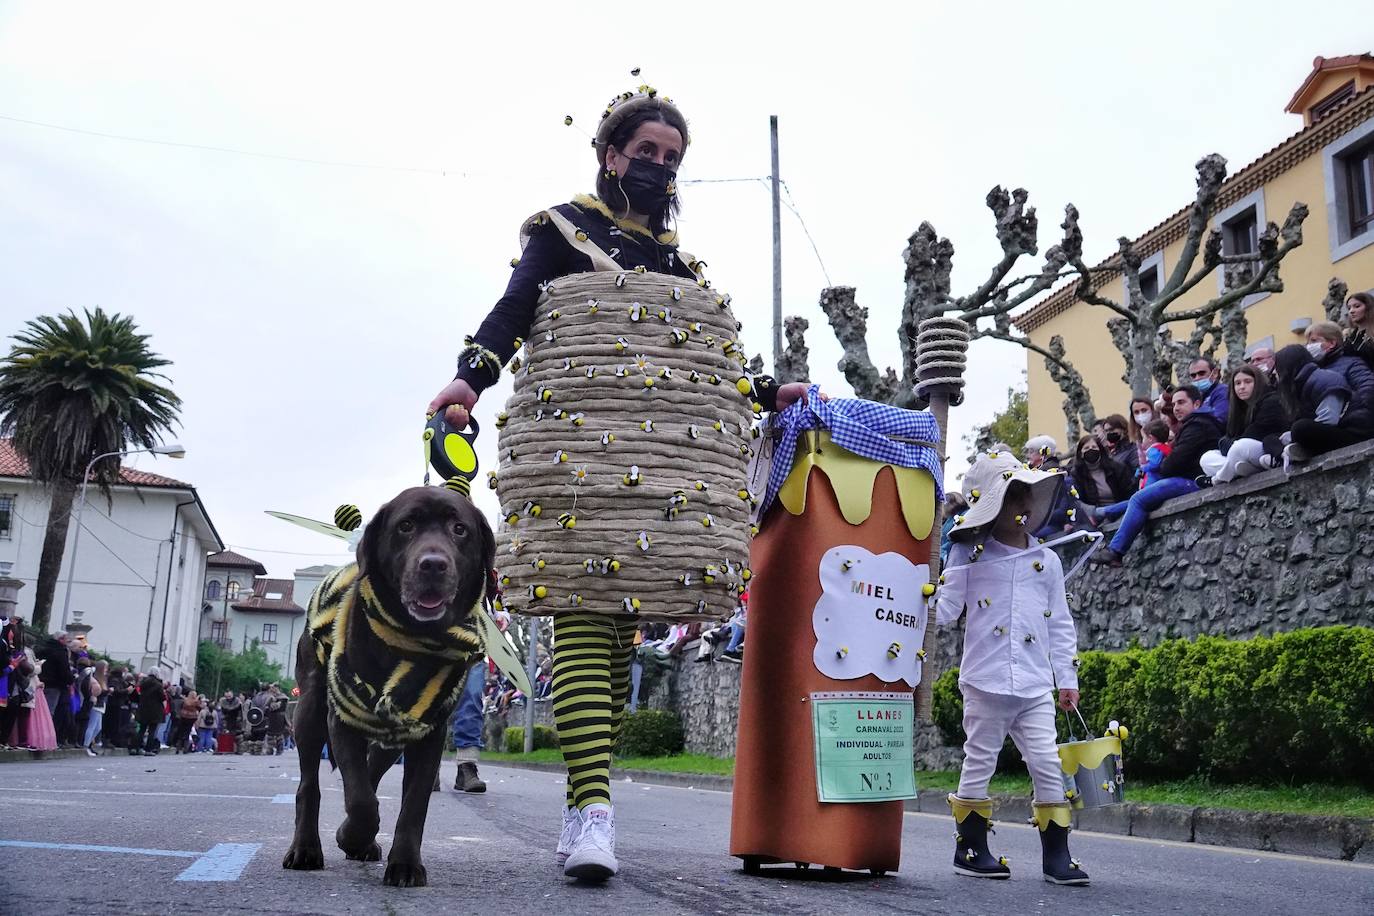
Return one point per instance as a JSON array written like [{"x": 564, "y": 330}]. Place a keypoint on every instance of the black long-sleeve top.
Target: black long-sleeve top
[
  {"x": 548, "y": 256},
  {"x": 1198, "y": 434}
]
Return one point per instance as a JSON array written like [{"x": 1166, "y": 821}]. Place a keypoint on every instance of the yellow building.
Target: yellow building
[{"x": 1329, "y": 165}]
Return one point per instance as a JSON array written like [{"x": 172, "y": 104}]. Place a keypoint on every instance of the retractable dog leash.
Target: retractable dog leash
[{"x": 451, "y": 452}]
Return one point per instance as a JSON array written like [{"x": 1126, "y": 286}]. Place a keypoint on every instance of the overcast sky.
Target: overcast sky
[{"x": 312, "y": 310}]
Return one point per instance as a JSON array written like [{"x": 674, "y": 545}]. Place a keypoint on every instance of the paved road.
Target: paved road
[{"x": 220, "y": 818}]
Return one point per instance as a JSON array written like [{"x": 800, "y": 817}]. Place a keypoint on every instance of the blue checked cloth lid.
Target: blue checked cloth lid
[{"x": 866, "y": 428}]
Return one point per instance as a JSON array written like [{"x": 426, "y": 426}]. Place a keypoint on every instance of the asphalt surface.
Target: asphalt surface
[{"x": 493, "y": 854}]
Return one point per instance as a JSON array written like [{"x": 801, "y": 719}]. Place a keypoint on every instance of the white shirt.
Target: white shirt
[{"x": 1019, "y": 637}]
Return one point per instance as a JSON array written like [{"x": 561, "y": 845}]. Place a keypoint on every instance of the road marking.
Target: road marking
[
  {"x": 130, "y": 792},
  {"x": 222, "y": 862},
  {"x": 286, "y": 798}
]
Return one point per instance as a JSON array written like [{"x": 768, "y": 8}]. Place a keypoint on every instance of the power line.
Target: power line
[{"x": 791, "y": 205}]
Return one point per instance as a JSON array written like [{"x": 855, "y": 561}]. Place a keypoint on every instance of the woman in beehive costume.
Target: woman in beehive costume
[{"x": 623, "y": 233}]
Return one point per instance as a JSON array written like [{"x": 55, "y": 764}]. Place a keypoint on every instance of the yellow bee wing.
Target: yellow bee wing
[
  {"x": 500, "y": 651},
  {"x": 310, "y": 523}
]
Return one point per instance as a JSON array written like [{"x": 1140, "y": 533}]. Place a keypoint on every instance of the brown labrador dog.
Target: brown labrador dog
[{"x": 428, "y": 554}]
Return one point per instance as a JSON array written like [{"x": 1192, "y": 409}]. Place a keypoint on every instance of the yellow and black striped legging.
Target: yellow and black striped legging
[{"x": 591, "y": 686}]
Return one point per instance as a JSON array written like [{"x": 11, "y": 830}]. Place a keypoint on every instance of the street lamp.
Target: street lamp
[{"x": 171, "y": 451}]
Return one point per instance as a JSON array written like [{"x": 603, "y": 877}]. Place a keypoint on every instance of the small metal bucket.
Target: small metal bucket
[{"x": 1094, "y": 776}]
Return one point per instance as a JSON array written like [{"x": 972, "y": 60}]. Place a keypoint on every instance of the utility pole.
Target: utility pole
[{"x": 777, "y": 247}]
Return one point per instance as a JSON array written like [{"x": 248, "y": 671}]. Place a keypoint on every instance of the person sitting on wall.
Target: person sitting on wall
[
  {"x": 1359, "y": 319},
  {"x": 1117, "y": 444},
  {"x": 1199, "y": 431},
  {"x": 1206, "y": 378},
  {"x": 1262, "y": 358},
  {"x": 1322, "y": 403},
  {"x": 1257, "y": 420},
  {"x": 1326, "y": 343},
  {"x": 1041, "y": 453},
  {"x": 1142, "y": 413},
  {"x": 1101, "y": 480}
]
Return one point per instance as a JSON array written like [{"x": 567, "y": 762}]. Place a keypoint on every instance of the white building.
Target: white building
[
  {"x": 140, "y": 566},
  {"x": 243, "y": 607}
]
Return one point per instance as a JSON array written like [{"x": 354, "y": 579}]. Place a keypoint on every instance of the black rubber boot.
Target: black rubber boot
[
  {"x": 467, "y": 779},
  {"x": 971, "y": 855},
  {"x": 1059, "y": 867}
]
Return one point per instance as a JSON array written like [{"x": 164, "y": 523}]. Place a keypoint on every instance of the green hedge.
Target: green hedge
[
  {"x": 544, "y": 737},
  {"x": 651, "y": 733},
  {"x": 1295, "y": 707}
]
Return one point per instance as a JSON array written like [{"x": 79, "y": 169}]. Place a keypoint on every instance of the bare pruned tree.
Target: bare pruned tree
[{"x": 1140, "y": 329}]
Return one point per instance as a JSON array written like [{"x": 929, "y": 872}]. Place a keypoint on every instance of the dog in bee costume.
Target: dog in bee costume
[{"x": 1019, "y": 644}]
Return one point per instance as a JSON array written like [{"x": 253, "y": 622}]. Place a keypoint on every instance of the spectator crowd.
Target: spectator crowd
[
  {"x": 56, "y": 695},
  {"x": 1277, "y": 410}
]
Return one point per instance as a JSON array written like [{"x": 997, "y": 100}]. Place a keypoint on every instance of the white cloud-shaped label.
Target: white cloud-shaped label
[{"x": 871, "y": 618}]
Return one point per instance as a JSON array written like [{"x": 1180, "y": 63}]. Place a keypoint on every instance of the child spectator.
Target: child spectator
[
  {"x": 1359, "y": 317},
  {"x": 95, "y": 693},
  {"x": 1019, "y": 644},
  {"x": 1157, "y": 448},
  {"x": 1256, "y": 422},
  {"x": 1198, "y": 433},
  {"x": 1326, "y": 415}
]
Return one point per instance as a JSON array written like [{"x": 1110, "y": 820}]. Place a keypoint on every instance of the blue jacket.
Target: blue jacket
[
  {"x": 1218, "y": 401},
  {"x": 1316, "y": 384},
  {"x": 1360, "y": 378}
]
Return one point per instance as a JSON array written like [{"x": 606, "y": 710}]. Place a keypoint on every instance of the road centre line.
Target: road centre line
[{"x": 268, "y": 798}]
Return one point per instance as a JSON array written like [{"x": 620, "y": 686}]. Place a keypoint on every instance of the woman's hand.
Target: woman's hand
[
  {"x": 459, "y": 398},
  {"x": 1068, "y": 699},
  {"x": 792, "y": 392}
]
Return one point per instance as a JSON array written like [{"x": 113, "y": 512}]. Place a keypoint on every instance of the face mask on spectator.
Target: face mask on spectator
[
  {"x": 1142, "y": 417},
  {"x": 1203, "y": 385},
  {"x": 1316, "y": 349},
  {"x": 1091, "y": 455},
  {"x": 1113, "y": 436}
]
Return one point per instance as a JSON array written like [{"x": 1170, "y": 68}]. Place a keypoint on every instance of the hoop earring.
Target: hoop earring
[{"x": 623, "y": 196}]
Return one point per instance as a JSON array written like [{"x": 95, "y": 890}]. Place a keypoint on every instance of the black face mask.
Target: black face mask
[
  {"x": 1113, "y": 437},
  {"x": 1091, "y": 456},
  {"x": 648, "y": 186}
]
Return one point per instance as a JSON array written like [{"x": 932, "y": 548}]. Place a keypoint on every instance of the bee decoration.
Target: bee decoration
[
  {"x": 927, "y": 590},
  {"x": 501, "y": 419},
  {"x": 744, "y": 386},
  {"x": 708, "y": 575},
  {"x": 685, "y": 579},
  {"x": 641, "y": 269},
  {"x": 505, "y": 580},
  {"x": 538, "y": 591},
  {"x": 677, "y": 293},
  {"x": 1021, "y": 520},
  {"x": 958, "y": 519},
  {"x": 648, "y": 383},
  {"x": 514, "y": 263},
  {"x": 619, "y": 280},
  {"x": 977, "y": 552},
  {"x": 580, "y": 235},
  {"x": 537, "y": 564},
  {"x": 647, "y": 426},
  {"x": 718, "y": 426},
  {"x": 1071, "y": 513},
  {"x": 753, "y": 531},
  {"x": 707, "y": 521},
  {"x": 744, "y": 495},
  {"x": 841, "y": 652},
  {"x": 589, "y": 565},
  {"x": 694, "y": 376},
  {"x": 560, "y": 414},
  {"x": 621, "y": 372},
  {"x": 609, "y": 566},
  {"x": 894, "y": 650},
  {"x": 591, "y": 372},
  {"x": 539, "y": 415},
  {"x": 1049, "y": 614},
  {"x": 679, "y": 498},
  {"x": 593, "y": 305},
  {"x": 678, "y": 336},
  {"x": 632, "y": 478},
  {"x": 998, "y": 630},
  {"x": 621, "y": 344},
  {"x": 1006, "y": 475},
  {"x": 550, "y": 337},
  {"x": 512, "y": 518},
  {"x": 491, "y": 480},
  {"x": 1077, "y": 662},
  {"x": 533, "y": 509},
  {"x": 973, "y": 495},
  {"x": 636, "y": 312},
  {"x": 847, "y": 565},
  {"x": 515, "y": 364},
  {"x": 985, "y": 602},
  {"x": 665, "y": 372},
  {"x": 567, "y": 520},
  {"x": 631, "y": 605},
  {"x": 568, "y": 120},
  {"x": 555, "y": 315},
  {"x": 576, "y": 419},
  {"x": 644, "y": 542},
  {"x": 1073, "y": 491},
  {"x": 665, "y": 315},
  {"x": 700, "y": 485},
  {"x": 701, "y": 606},
  {"x": 560, "y": 456},
  {"x": 921, "y": 655},
  {"x": 1030, "y": 638},
  {"x": 714, "y": 379},
  {"x": 693, "y": 432},
  {"x": 575, "y": 599},
  {"x": 694, "y": 327},
  {"x": 1038, "y": 566},
  {"x": 746, "y": 574},
  {"x": 607, "y": 439}
]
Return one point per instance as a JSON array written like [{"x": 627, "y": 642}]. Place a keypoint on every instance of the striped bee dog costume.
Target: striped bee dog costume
[{"x": 402, "y": 696}]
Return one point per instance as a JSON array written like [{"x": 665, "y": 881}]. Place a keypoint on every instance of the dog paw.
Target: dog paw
[
  {"x": 303, "y": 858},
  {"x": 405, "y": 874},
  {"x": 369, "y": 853}
]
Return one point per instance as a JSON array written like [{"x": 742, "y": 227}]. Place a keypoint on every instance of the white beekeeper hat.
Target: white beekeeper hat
[{"x": 986, "y": 484}]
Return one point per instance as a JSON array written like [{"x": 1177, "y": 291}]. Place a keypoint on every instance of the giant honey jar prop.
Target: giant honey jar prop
[
  {"x": 624, "y": 452},
  {"x": 837, "y": 617}
]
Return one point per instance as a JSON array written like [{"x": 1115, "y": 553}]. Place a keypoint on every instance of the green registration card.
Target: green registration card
[{"x": 863, "y": 746}]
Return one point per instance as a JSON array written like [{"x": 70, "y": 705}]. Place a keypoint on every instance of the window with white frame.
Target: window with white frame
[
  {"x": 269, "y": 633},
  {"x": 1240, "y": 228},
  {"x": 1348, "y": 164},
  {"x": 7, "y": 515}
]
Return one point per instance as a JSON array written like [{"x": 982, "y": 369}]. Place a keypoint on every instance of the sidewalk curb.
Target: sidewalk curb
[
  {"x": 20, "y": 755},
  {"x": 1316, "y": 835}
]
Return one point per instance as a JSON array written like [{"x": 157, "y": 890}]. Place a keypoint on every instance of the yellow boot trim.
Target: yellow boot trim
[
  {"x": 963, "y": 807},
  {"x": 1047, "y": 813}
]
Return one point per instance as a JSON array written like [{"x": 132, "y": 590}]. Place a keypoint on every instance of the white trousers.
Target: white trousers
[
  {"x": 988, "y": 719},
  {"x": 1241, "y": 460}
]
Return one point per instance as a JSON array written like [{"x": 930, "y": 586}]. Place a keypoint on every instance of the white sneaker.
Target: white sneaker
[
  {"x": 572, "y": 829},
  {"x": 593, "y": 855}
]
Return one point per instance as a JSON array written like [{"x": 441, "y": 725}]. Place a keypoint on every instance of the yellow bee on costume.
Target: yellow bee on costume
[
  {"x": 632, "y": 478},
  {"x": 567, "y": 520}
]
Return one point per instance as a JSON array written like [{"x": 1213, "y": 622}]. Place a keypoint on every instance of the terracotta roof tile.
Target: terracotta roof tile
[
  {"x": 1320, "y": 65},
  {"x": 261, "y": 600},
  {"x": 227, "y": 559},
  {"x": 12, "y": 464}
]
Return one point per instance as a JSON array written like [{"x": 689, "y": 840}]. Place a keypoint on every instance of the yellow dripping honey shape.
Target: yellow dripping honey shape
[{"x": 851, "y": 476}]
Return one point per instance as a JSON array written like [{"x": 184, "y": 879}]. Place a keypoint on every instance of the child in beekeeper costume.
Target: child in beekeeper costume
[{"x": 1019, "y": 645}]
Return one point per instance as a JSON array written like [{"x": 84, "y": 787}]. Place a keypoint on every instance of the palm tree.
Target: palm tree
[{"x": 68, "y": 392}]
